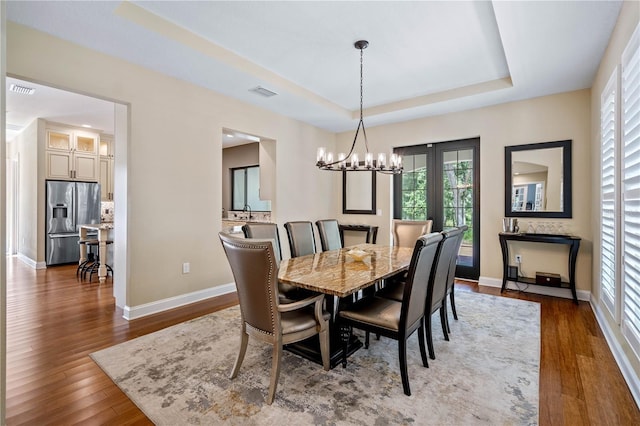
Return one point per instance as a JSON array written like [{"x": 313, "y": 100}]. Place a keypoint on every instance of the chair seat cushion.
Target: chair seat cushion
[
  {"x": 393, "y": 291},
  {"x": 300, "y": 320},
  {"x": 378, "y": 311}
]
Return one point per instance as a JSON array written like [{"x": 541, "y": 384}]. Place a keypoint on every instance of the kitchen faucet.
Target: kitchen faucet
[{"x": 247, "y": 207}]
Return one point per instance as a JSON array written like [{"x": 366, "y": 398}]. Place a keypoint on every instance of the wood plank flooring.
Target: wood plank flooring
[{"x": 54, "y": 322}]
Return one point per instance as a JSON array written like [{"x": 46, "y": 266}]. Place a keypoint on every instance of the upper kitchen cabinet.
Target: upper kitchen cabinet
[
  {"x": 106, "y": 167},
  {"x": 71, "y": 155}
]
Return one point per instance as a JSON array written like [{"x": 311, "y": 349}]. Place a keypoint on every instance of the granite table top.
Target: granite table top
[{"x": 335, "y": 272}]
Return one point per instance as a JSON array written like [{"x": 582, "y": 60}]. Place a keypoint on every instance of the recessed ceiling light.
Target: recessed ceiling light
[
  {"x": 88, "y": 126},
  {"x": 23, "y": 90},
  {"x": 229, "y": 135},
  {"x": 262, "y": 91}
]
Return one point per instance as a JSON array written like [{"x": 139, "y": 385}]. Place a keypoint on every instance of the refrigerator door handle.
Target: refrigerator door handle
[{"x": 66, "y": 235}]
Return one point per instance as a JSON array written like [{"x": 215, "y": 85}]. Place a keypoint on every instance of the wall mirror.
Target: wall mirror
[
  {"x": 538, "y": 180},
  {"x": 359, "y": 192}
]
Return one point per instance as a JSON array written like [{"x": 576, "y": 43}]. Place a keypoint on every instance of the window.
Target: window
[
  {"x": 608, "y": 135},
  {"x": 245, "y": 184},
  {"x": 630, "y": 135}
]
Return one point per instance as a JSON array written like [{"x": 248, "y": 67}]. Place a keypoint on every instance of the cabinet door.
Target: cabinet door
[
  {"x": 86, "y": 143},
  {"x": 86, "y": 167},
  {"x": 58, "y": 165},
  {"x": 59, "y": 140},
  {"x": 106, "y": 147},
  {"x": 106, "y": 179}
]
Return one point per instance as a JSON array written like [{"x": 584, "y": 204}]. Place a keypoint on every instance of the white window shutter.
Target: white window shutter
[
  {"x": 630, "y": 129},
  {"x": 608, "y": 138}
]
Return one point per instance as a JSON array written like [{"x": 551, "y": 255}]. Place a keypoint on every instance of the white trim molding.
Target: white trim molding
[
  {"x": 629, "y": 374},
  {"x": 537, "y": 289},
  {"x": 134, "y": 312},
  {"x": 30, "y": 262}
]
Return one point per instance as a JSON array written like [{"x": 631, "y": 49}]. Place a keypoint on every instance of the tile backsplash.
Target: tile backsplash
[
  {"x": 255, "y": 216},
  {"x": 106, "y": 211}
]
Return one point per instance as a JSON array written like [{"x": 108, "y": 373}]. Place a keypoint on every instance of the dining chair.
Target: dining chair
[
  {"x": 265, "y": 230},
  {"x": 406, "y": 232},
  {"x": 329, "y": 232},
  {"x": 394, "y": 319},
  {"x": 451, "y": 277},
  {"x": 254, "y": 267},
  {"x": 436, "y": 298},
  {"x": 301, "y": 239}
]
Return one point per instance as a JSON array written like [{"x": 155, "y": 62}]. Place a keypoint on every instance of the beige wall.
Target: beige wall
[
  {"x": 237, "y": 156},
  {"x": 174, "y": 159},
  {"x": 545, "y": 119},
  {"x": 628, "y": 20}
]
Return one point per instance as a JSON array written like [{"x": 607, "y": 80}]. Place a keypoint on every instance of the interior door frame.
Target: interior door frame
[{"x": 435, "y": 193}]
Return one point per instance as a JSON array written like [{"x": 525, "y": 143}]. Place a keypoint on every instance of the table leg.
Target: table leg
[
  {"x": 83, "y": 247},
  {"x": 102, "y": 244}
]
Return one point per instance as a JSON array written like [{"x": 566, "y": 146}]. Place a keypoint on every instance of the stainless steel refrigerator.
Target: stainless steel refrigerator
[{"x": 69, "y": 204}]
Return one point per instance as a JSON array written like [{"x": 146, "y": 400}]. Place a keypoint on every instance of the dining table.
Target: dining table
[
  {"x": 342, "y": 275},
  {"x": 103, "y": 235}
]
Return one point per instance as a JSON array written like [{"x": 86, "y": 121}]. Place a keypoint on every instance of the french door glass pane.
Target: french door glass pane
[
  {"x": 457, "y": 190},
  {"x": 414, "y": 187}
]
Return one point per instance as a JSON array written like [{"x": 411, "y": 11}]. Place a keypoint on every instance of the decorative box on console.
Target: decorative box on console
[{"x": 547, "y": 278}]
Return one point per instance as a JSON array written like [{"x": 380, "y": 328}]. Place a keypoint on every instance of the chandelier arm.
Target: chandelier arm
[{"x": 353, "y": 145}]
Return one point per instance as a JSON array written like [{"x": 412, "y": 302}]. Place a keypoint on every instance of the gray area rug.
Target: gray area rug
[{"x": 486, "y": 374}]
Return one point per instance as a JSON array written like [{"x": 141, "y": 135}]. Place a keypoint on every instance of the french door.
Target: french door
[{"x": 441, "y": 182}]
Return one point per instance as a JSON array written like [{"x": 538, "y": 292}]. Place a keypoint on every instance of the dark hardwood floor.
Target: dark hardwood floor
[{"x": 54, "y": 322}]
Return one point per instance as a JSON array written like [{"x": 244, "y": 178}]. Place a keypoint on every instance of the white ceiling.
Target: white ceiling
[{"x": 425, "y": 57}]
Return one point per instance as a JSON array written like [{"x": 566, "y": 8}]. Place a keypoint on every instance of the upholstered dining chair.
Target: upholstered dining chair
[
  {"x": 301, "y": 239},
  {"x": 407, "y": 232},
  {"x": 265, "y": 230},
  {"x": 329, "y": 231},
  {"x": 436, "y": 298},
  {"x": 255, "y": 269},
  {"x": 451, "y": 277},
  {"x": 398, "y": 320}
]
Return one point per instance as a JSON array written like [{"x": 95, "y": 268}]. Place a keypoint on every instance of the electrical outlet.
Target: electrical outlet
[
  {"x": 186, "y": 268},
  {"x": 518, "y": 258}
]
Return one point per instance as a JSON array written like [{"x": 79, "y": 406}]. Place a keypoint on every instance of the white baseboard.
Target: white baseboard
[
  {"x": 134, "y": 312},
  {"x": 629, "y": 374},
  {"x": 30, "y": 262},
  {"x": 537, "y": 289}
]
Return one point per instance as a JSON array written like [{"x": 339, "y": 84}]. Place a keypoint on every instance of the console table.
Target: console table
[
  {"x": 574, "y": 245},
  {"x": 371, "y": 230}
]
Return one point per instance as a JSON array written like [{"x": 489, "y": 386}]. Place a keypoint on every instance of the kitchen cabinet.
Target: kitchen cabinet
[
  {"x": 106, "y": 167},
  {"x": 71, "y": 155}
]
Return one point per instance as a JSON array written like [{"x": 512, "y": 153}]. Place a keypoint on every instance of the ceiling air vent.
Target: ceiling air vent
[
  {"x": 23, "y": 90},
  {"x": 262, "y": 91}
]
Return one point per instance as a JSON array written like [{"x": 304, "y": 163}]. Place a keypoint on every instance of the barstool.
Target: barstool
[
  {"x": 92, "y": 268},
  {"x": 91, "y": 256}
]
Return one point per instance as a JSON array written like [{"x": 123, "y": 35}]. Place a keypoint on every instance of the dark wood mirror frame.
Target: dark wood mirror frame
[
  {"x": 348, "y": 206},
  {"x": 566, "y": 180}
]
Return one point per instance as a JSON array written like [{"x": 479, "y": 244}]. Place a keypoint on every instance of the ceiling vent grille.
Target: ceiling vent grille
[
  {"x": 14, "y": 127},
  {"x": 263, "y": 92},
  {"x": 23, "y": 90}
]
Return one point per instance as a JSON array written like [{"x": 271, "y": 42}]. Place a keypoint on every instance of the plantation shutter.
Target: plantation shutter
[
  {"x": 630, "y": 91},
  {"x": 608, "y": 135}
]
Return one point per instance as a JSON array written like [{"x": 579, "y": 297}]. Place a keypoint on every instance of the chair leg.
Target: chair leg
[
  {"x": 423, "y": 350},
  {"x": 402, "y": 357},
  {"x": 443, "y": 320},
  {"x": 244, "y": 340},
  {"x": 427, "y": 329},
  {"x": 453, "y": 304},
  {"x": 275, "y": 372},
  {"x": 324, "y": 348},
  {"x": 366, "y": 340}
]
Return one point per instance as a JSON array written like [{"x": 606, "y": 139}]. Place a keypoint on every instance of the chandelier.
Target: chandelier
[{"x": 351, "y": 161}]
